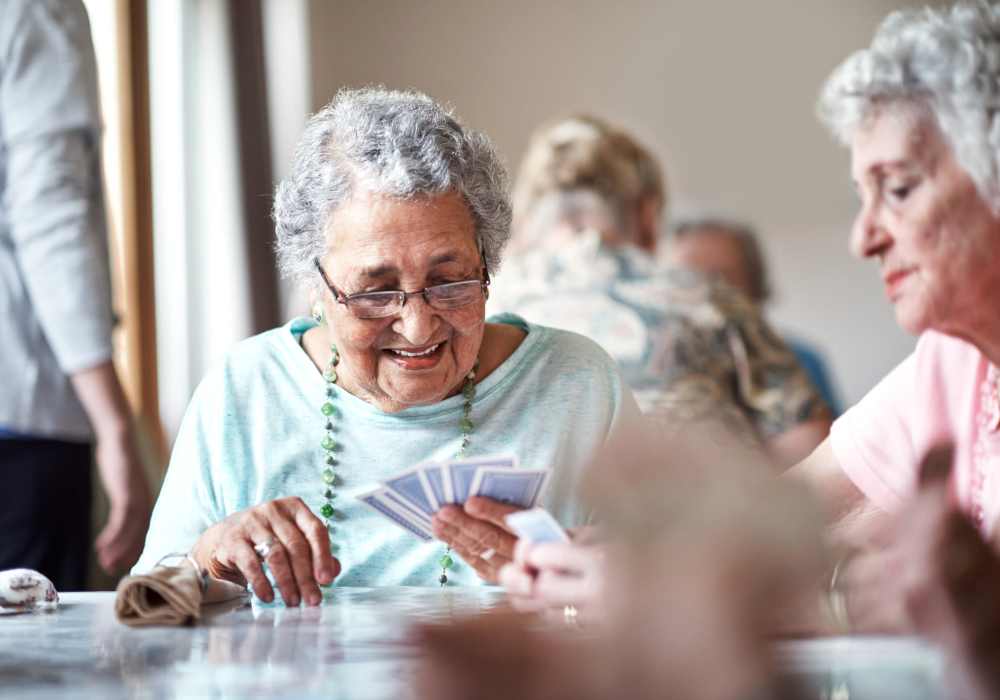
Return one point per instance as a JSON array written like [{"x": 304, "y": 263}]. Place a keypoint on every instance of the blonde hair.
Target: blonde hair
[{"x": 586, "y": 153}]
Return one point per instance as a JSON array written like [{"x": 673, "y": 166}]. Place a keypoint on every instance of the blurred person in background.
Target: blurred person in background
[
  {"x": 62, "y": 404},
  {"x": 731, "y": 251},
  {"x": 588, "y": 203}
]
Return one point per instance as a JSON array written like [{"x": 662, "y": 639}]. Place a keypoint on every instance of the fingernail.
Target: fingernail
[
  {"x": 314, "y": 600},
  {"x": 447, "y": 514}
]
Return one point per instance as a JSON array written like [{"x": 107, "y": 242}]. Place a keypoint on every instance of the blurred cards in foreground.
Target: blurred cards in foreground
[
  {"x": 536, "y": 525},
  {"x": 410, "y": 499}
]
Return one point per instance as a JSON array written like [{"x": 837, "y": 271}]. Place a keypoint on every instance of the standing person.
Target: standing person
[
  {"x": 587, "y": 209},
  {"x": 730, "y": 250},
  {"x": 61, "y": 398}
]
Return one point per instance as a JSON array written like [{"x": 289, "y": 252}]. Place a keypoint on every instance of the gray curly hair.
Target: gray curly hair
[
  {"x": 946, "y": 62},
  {"x": 400, "y": 144}
]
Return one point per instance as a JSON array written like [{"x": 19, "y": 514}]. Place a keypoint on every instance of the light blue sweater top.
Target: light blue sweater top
[{"x": 253, "y": 429}]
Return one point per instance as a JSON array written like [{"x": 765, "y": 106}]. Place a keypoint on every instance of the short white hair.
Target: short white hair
[
  {"x": 946, "y": 62},
  {"x": 396, "y": 143}
]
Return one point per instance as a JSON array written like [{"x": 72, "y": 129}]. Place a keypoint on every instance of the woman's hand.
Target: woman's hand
[
  {"x": 556, "y": 575},
  {"x": 299, "y": 552},
  {"x": 930, "y": 568},
  {"x": 479, "y": 534}
]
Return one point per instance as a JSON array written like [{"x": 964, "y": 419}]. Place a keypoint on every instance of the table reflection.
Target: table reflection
[{"x": 354, "y": 646}]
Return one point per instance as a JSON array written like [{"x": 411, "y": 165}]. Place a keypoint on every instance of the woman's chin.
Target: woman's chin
[
  {"x": 415, "y": 392},
  {"x": 911, "y": 318}
]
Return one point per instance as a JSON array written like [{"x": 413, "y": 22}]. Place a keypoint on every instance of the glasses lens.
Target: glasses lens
[
  {"x": 374, "y": 304},
  {"x": 454, "y": 295}
]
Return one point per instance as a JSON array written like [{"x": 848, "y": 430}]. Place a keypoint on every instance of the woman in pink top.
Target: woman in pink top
[{"x": 918, "y": 110}]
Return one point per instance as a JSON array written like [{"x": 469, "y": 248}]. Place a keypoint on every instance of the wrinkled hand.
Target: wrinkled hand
[
  {"x": 476, "y": 529},
  {"x": 930, "y": 571},
  {"x": 555, "y": 575},
  {"x": 120, "y": 541},
  {"x": 300, "y": 557}
]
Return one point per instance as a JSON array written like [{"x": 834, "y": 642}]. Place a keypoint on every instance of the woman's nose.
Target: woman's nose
[
  {"x": 869, "y": 236},
  {"x": 417, "y": 321}
]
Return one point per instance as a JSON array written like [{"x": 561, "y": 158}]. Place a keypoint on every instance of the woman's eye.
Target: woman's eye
[{"x": 900, "y": 192}]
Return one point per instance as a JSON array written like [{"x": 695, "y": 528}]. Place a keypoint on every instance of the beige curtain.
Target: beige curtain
[{"x": 215, "y": 280}]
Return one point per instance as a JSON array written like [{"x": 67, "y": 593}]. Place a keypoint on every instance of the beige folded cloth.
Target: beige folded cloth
[{"x": 170, "y": 595}]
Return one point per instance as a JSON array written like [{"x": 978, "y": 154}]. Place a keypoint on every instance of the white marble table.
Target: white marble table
[{"x": 354, "y": 646}]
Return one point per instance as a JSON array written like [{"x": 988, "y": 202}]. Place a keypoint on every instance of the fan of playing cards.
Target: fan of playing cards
[{"x": 411, "y": 499}]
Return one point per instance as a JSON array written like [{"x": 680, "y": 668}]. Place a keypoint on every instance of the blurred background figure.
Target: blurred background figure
[
  {"x": 703, "y": 549},
  {"x": 62, "y": 401},
  {"x": 731, "y": 251},
  {"x": 588, "y": 202}
]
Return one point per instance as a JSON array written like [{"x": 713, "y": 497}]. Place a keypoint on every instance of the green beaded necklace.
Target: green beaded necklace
[{"x": 330, "y": 445}]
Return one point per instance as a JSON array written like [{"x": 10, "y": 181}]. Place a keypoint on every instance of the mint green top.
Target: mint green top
[{"x": 253, "y": 429}]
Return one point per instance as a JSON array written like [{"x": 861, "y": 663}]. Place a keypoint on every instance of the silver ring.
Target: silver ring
[
  {"x": 264, "y": 548},
  {"x": 487, "y": 554},
  {"x": 570, "y": 615}
]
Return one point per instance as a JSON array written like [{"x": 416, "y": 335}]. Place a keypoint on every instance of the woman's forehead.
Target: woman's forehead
[
  {"x": 893, "y": 137},
  {"x": 379, "y": 235}
]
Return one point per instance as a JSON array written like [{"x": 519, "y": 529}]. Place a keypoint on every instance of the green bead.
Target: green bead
[
  {"x": 326, "y": 510},
  {"x": 446, "y": 562},
  {"x": 329, "y": 444},
  {"x": 331, "y": 376},
  {"x": 469, "y": 390},
  {"x": 328, "y": 476},
  {"x": 327, "y": 409},
  {"x": 466, "y": 425},
  {"x": 329, "y": 495}
]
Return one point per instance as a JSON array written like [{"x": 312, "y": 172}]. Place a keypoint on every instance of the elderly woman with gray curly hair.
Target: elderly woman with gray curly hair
[
  {"x": 394, "y": 216},
  {"x": 918, "y": 110}
]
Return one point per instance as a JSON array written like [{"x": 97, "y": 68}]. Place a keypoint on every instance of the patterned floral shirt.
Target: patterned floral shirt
[{"x": 690, "y": 348}]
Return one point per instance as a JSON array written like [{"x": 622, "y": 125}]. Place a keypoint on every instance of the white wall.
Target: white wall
[{"x": 723, "y": 91}]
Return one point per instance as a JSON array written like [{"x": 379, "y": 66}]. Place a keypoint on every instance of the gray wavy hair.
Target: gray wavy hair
[
  {"x": 944, "y": 61},
  {"x": 399, "y": 144}
]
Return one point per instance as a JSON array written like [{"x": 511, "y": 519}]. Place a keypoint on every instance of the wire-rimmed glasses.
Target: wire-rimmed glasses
[{"x": 443, "y": 297}]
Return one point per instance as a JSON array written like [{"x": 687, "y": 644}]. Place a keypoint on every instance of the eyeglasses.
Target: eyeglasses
[{"x": 443, "y": 297}]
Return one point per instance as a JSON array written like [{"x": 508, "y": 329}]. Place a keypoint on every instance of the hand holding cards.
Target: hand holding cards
[{"x": 410, "y": 499}]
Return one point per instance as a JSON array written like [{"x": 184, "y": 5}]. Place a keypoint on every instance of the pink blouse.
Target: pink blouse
[{"x": 945, "y": 391}]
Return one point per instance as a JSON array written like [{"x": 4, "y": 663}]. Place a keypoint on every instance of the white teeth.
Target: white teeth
[{"x": 428, "y": 351}]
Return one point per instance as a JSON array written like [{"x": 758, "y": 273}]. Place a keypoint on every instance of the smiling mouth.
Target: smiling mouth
[
  {"x": 430, "y": 350},
  {"x": 417, "y": 359}
]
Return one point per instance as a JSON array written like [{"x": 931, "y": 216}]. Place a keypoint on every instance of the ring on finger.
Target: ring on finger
[
  {"x": 264, "y": 548},
  {"x": 487, "y": 554},
  {"x": 571, "y": 616}
]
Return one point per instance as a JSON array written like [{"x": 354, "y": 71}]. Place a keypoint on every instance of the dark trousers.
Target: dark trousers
[{"x": 45, "y": 492}]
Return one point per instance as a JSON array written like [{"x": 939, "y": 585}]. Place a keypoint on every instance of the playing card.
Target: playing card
[
  {"x": 434, "y": 477},
  {"x": 405, "y": 519},
  {"x": 411, "y": 487},
  {"x": 517, "y": 487},
  {"x": 460, "y": 473},
  {"x": 536, "y": 525}
]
